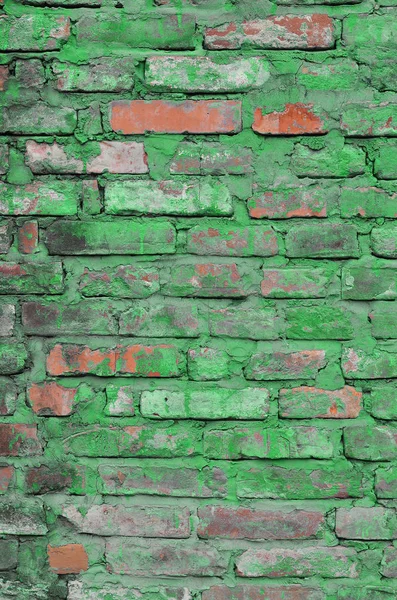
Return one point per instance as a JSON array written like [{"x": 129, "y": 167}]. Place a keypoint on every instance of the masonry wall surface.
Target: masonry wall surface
[{"x": 198, "y": 352}]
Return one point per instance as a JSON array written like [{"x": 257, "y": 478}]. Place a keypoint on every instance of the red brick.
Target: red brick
[
  {"x": 6, "y": 475},
  {"x": 246, "y": 523},
  {"x": 71, "y": 558},
  {"x": 314, "y": 31},
  {"x": 17, "y": 439},
  {"x": 51, "y": 399},
  {"x": 295, "y": 119},
  {"x": 28, "y": 237},
  {"x": 309, "y": 402},
  {"x": 190, "y": 116},
  {"x": 262, "y": 592}
]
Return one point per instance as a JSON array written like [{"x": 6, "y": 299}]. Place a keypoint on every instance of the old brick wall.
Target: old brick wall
[{"x": 198, "y": 319}]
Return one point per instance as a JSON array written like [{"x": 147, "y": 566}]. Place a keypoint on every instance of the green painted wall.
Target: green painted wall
[{"x": 198, "y": 283}]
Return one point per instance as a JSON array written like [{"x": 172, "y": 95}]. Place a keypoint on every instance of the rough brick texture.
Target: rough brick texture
[{"x": 198, "y": 287}]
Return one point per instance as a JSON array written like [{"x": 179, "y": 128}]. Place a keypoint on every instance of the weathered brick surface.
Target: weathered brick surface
[
  {"x": 137, "y": 521},
  {"x": 333, "y": 562},
  {"x": 198, "y": 286},
  {"x": 215, "y": 521},
  {"x": 311, "y": 31}
]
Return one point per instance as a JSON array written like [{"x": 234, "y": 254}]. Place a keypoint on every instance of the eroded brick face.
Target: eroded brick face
[{"x": 198, "y": 286}]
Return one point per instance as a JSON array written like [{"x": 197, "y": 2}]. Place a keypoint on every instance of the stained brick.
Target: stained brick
[
  {"x": 288, "y": 31},
  {"x": 296, "y": 282},
  {"x": 378, "y": 443},
  {"x": 22, "y": 517},
  {"x": 33, "y": 32},
  {"x": 168, "y": 198},
  {"x": 28, "y": 237},
  {"x": 8, "y": 396},
  {"x": 52, "y": 478},
  {"x": 38, "y": 119},
  {"x": 163, "y": 480},
  {"x": 331, "y": 562},
  {"x": 171, "y": 319},
  {"x": 369, "y": 120},
  {"x": 211, "y": 159},
  {"x": 164, "y": 559},
  {"x": 367, "y": 202},
  {"x": 109, "y": 237},
  {"x": 40, "y": 198},
  {"x": 124, "y": 281},
  {"x": 248, "y": 403},
  {"x": 258, "y": 592},
  {"x": 314, "y": 480},
  {"x": 381, "y": 363},
  {"x": 51, "y": 319},
  {"x": 246, "y": 523},
  {"x": 369, "y": 281},
  {"x": 255, "y": 442},
  {"x": 232, "y": 241},
  {"x": 109, "y": 156},
  {"x": 201, "y": 74},
  {"x": 359, "y": 523},
  {"x": 102, "y": 75},
  {"x": 138, "y": 360},
  {"x": 122, "y": 31},
  {"x": 210, "y": 280},
  {"x": 145, "y": 441},
  {"x": 246, "y": 321},
  {"x": 302, "y": 364},
  {"x": 136, "y": 521},
  {"x": 328, "y": 162},
  {"x": 31, "y": 278},
  {"x": 337, "y": 240},
  {"x": 305, "y": 402},
  {"x": 286, "y": 203}
]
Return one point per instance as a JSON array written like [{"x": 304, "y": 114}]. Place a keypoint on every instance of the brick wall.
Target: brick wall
[{"x": 197, "y": 315}]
